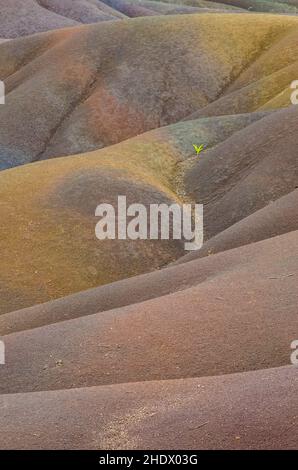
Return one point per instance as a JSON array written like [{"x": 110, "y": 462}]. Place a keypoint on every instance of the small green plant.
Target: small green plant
[{"x": 198, "y": 149}]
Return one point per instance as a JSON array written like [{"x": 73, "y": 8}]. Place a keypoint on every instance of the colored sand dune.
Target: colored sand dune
[{"x": 138, "y": 342}]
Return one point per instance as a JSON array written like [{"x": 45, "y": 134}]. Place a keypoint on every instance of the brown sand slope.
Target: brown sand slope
[
  {"x": 131, "y": 10},
  {"x": 147, "y": 341},
  {"x": 62, "y": 194},
  {"x": 172, "y": 9},
  {"x": 183, "y": 350},
  {"x": 99, "y": 97},
  {"x": 249, "y": 170},
  {"x": 229, "y": 412},
  {"x": 82, "y": 11},
  {"x": 270, "y": 74},
  {"x": 61, "y": 197},
  {"x": 134, "y": 8},
  {"x": 270, "y": 6},
  {"x": 25, "y": 17},
  {"x": 277, "y": 218},
  {"x": 55, "y": 226},
  {"x": 274, "y": 219}
]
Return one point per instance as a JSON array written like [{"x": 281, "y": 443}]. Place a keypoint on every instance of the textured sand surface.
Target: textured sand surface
[
  {"x": 205, "y": 413},
  {"x": 97, "y": 95},
  {"x": 25, "y": 17},
  {"x": 147, "y": 341},
  {"x": 139, "y": 344}
]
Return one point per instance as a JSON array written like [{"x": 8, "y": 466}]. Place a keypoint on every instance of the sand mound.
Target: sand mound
[
  {"x": 208, "y": 413},
  {"x": 146, "y": 341},
  {"x": 136, "y": 342},
  {"x": 97, "y": 97},
  {"x": 270, "y": 6},
  {"x": 274, "y": 219},
  {"x": 25, "y": 17},
  {"x": 60, "y": 203}
]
